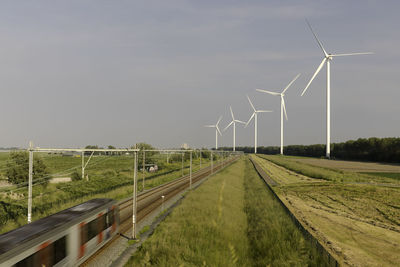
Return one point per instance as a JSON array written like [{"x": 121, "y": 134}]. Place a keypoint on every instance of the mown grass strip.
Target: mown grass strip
[{"x": 324, "y": 173}]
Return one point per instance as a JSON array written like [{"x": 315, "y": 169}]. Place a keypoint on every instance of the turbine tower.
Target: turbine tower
[
  {"x": 255, "y": 122},
  {"x": 327, "y": 59},
  {"x": 217, "y": 131},
  {"x": 283, "y": 107},
  {"x": 233, "y": 122}
]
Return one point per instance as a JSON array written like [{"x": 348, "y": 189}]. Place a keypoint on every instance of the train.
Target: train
[{"x": 66, "y": 238}]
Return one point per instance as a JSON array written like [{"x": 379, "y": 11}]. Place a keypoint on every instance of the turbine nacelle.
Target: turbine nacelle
[
  {"x": 255, "y": 112},
  {"x": 282, "y": 94},
  {"x": 327, "y": 57}
]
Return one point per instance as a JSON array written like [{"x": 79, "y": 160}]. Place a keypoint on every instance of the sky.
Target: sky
[{"x": 74, "y": 73}]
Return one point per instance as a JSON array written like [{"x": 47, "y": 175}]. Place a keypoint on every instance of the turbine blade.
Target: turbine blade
[
  {"x": 251, "y": 103},
  {"x": 352, "y": 54},
  {"x": 210, "y": 126},
  {"x": 315, "y": 74},
  {"x": 284, "y": 107},
  {"x": 220, "y": 118},
  {"x": 233, "y": 118},
  {"x": 287, "y": 87},
  {"x": 227, "y": 126},
  {"x": 216, "y": 126},
  {"x": 262, "y": 111},
  {"x": 240, "y": 121},
  {"x": 316, "y": 38},
  {"x": 268, "y": 92},
  {"x": 252, "y": 116}
]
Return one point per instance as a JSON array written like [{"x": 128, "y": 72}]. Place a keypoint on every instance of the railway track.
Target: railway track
[{"x": 150, "y": 200}]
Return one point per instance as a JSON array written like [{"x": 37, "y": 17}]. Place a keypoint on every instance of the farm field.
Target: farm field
[
  {"x": 232, "y": 219},
  {"x": 330, "y": 173},
  {"x": 358, "y": 222},
  {"x": 109, "y": 176},
  {"x": 354, "y": 166}
]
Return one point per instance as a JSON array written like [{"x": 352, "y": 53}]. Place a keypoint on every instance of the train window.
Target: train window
[
  {"x": 101, "y": 223},
  {"x": 84, "y": 234},
  {"x": 110, "y": 217},
  {"x": 47, "y": 256},
  {"x": 92, "y": 229},
  {"x": 27, "y": 262},
  {"x": 60, "y": 249}
]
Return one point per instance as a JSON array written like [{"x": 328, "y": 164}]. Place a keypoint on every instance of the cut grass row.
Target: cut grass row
[
  {"x": 328, "y": 174},
  {"x": 359, "y": 223},
  {"x": 231, "y": 220}
]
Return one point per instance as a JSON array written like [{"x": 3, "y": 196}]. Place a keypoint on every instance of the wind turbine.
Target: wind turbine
[
  {"x": 233, "y": 122},
  {"x": 255, "y": 122},
  {"x": 217, "y": 131},
  {"x": 283, "y": 107},
  {"x": 327, "y": 59}
]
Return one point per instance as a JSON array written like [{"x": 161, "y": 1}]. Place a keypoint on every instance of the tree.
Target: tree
[
  {"x": 88, "y": 153},
  {"x": 18, "y": 169}
]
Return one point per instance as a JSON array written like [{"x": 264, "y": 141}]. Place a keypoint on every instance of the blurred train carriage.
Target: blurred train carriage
[{"x": 66, "y": 238}]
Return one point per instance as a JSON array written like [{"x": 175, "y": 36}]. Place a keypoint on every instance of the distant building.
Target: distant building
[{"x": 185, "y": 146}]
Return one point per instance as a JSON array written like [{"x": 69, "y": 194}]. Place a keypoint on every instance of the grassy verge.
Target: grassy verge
[
  {"x": 207, "y": 229},
  {"x": 273, "y": 237},
  {"x": 231, "y": 220}
]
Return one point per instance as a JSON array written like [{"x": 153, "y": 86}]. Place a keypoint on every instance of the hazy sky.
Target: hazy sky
[{"x": 83, "y": 72}]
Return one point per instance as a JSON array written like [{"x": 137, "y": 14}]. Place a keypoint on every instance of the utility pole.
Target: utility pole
[
  {"x": 134, "y": 196},
  {"x": 83, "y": 165},
  {"x": 183, "y": 154},
  {"x": 30, "y": 182},
  {"x": 200, "y": 158},
  {"x": 190, "y": 169},
  {"x": 144, "y": 166},
  {"x": 212, "y": 165}
]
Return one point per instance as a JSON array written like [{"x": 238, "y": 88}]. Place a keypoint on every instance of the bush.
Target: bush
[
  {"x": 18, "y": 169},
  {"x": 75, "y": 176}
]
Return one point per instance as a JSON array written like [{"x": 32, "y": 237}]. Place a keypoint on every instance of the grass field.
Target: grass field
[
  {"x": 357, "y": 222},
  {"x": 231, "y": 220},
  {"x": 109, "y": 176},
  {"x": 326, "y": 172},
  {"x": 354, "y": 166},
  {"x": 393, "y": 175}
]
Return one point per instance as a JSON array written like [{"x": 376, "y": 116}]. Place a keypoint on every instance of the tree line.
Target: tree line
[{"x": 363, "y": 149}]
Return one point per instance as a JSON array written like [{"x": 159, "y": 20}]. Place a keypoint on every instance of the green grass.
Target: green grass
[
  {"x": 393, "y": 175},
  {"x": 207, "y": 229},
  {"x": 274, "y": 239},
  {"x": 323, "y": 173},
  {"x": 231, "y": 220}
]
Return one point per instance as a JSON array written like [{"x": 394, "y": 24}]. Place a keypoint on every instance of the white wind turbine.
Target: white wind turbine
[
  {"x": 217, "y": 131},
  {"x": 283, "y": 107},
  {"x": 327, "y": 59},
  {"x": 255, "y": 122},
  {"x": 233, "y": 122}
]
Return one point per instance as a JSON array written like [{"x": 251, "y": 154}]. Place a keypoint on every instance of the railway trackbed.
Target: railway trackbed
[{"x": 150, "y": 200}]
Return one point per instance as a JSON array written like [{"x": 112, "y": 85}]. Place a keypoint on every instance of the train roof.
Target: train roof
[{"x": 30, "y": 231}]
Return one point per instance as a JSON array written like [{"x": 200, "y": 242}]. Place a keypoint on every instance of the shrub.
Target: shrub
[{"x": 18, "y": 169}]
